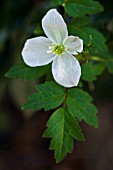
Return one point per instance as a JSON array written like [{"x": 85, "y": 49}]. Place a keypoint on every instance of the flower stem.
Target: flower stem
[{"x": 96, "y": 58}]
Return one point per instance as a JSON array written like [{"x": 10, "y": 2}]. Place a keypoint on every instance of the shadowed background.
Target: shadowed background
[{"x": 21, "y": 144}]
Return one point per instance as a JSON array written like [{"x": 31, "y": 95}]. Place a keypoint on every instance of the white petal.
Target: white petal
[
  {"x": 74, "y": 44},
  {"x": 54, "y": 26},
  {"x": 66, "y": 70},
  {"x": 35, "y": 52}
]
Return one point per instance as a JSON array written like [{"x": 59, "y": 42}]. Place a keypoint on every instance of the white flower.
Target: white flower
[{"x": 58, "y": 47}]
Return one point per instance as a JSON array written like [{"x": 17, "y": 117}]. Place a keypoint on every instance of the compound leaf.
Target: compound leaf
[
  {"x": 79, "y": 103},
  {"x": 62, "y": 127},
  {"x": 90, "y": 71},
  {"x": 79, "y": 8},
  {"x": 26, "y": 72},
  {"x": 49, "y": 96}
]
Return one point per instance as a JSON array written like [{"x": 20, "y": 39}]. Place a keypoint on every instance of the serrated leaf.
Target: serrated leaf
[
  {"x": 62, "y": 128},
  {"x": 98, "y": 40},
  {"x": 90, "y": 71},
  {"x": 79, "y": 8},
  {"x": 26, "y": 72},
  {"x": 79, "y": 103},
  {"x": 49, "y": 96}
]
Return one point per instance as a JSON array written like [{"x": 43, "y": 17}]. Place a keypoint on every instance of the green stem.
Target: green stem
[{"x": 96, "y": 58}]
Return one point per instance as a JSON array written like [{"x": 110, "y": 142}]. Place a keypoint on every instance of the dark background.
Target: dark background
[{"x": 21, "y": 144}]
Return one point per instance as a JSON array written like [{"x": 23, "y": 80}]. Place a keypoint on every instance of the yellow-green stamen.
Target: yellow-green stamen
[{"x": 57, "y": 49}]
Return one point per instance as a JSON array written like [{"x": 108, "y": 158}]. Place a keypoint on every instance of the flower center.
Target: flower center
[{"x": 57, "y": 49}]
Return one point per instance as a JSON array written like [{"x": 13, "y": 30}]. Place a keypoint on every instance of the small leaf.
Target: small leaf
[
  {"x": 90, "y": 71},
  {"x": 26, "y": 72},
  {"x": 79, "y": 103},
  {"x": 49, "y": 96},
  {"x": 62, "y": 128},
  {"x": 78, "y": 8}
]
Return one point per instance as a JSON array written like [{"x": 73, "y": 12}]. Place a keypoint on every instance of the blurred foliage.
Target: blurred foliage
[
  {"x": 18, "y": 20},
  {"x": 95, "y": 70}
]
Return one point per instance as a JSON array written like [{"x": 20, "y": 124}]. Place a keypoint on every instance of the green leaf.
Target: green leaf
[
  {"x": 98, "y": 40},
  {"x": 26, "y": 72},
  {"x": 90, "y": 71},
  {"x": 58, "y": 2},
  {"x": 80, "y": 22},
  {"x": 79, "y": 8},
  {"x": 49, "y": 96},
  {"x": 79, "y": 103},
  {"x": 62, "y": 128}
]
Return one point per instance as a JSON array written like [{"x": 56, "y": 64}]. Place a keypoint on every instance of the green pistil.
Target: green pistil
[{"x": 58, "y": 49}]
